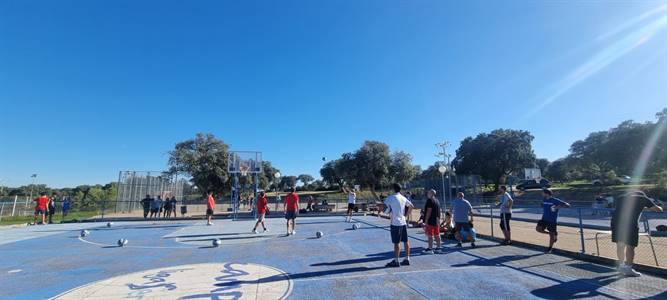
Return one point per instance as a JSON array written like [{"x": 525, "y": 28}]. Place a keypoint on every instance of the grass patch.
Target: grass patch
[{"x": 57, "y": 218}]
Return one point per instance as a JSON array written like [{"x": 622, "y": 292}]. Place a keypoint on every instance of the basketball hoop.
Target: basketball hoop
[{"x": 244, "y": 169}]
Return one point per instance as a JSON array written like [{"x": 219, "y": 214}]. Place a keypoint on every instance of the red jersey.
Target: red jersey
[
  {"x": 42, "y": 201},
  {"x": 291, "y": 202},
  {"x": 262, "y": 203},
  {"x": 210, "y": 203}
]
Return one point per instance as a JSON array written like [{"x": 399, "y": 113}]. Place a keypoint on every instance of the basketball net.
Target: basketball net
[{"x": 243, "y": 169}]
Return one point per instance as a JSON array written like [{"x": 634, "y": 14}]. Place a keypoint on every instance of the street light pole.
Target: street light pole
[
  {"x": 276, "y": 176},
  {"x": 445, "y": 169},
  {"x": 32, "y": 186}
]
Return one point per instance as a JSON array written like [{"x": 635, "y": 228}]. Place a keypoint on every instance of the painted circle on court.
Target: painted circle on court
[{"x": 196, "y": 281}]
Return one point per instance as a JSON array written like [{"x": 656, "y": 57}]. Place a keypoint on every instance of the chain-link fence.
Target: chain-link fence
[{"x": 583, "y": 228}]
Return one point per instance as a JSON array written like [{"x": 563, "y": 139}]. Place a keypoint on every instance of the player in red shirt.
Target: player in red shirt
[
  {"x": 291, "y": 210},
  {"x": 40, "y": 207},
  {"x": 262, "y": 208},
  {"x": 210, "y": 206}
]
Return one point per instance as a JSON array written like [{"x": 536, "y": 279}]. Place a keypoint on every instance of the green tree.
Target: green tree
[
  {"x": 375, "y": 159},
  {"x": 542, "y": 164},
  {"x": 305, "y": 179},
  {"x": 204, "y": 158},
  {"x": 287, "y": 182},
  {"x": 496, "y": 154},
  {"x": 401, "y": 169}
]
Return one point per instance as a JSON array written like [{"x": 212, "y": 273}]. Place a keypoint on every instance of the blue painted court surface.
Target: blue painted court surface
[{"x": 176, "y": 259}]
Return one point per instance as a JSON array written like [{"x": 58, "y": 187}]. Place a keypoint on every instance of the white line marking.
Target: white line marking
[
  {"x": 14, "y": 271},
  {"x": 448, "y": 269}
]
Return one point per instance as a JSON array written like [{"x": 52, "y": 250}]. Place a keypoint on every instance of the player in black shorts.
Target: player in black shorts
[{"x": 625, "y": 230}]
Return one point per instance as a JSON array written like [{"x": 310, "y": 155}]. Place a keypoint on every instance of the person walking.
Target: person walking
[
  {"x": 625, "y": 228},
  {"x": 262, "y": 208},
  {"x": 291, "y": 208},
  {"x": 432, "y": 221},
  {"x": 549, "y": 221},
  {"x": 397, "y": 206},
  {"x": 505, "y": 202},
  {"x": 462, "y": 211}
]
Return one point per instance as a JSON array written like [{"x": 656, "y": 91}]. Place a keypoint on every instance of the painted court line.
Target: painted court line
[
  {"x": 386, "y": 274},
  {"x": 129, "y": 246}
]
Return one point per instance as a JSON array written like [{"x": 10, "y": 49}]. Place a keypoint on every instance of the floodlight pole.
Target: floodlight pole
[{"x": 448, "y": 168}]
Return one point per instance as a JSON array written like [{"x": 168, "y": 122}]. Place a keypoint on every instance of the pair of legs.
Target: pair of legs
[
  {"x": 51, "y": 213},
  {"x": 350, "y": 209},
  {"x": 293, "y": 222},
  {"x": 433, "y": 233},
  {"x": 41, "y": 213},
  {"x": 154, "y": 212},
  {"x": 505, "y": 227},
  {"x": 457, "y": 233},
  {"x": 399, "y": 234},
  {"x": 260, "y": 220},
  {"x": 625, "y": 253},
  {"x": 209, "y": 216},
  {"x": 544, "y": 226},
  {"x": 146, "y": 212}
]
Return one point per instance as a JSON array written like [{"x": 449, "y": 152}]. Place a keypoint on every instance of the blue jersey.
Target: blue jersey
[{"x": 549, "y": 215}]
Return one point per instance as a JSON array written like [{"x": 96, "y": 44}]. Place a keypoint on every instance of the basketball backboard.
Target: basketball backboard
[{"x": 244, "y": 162}]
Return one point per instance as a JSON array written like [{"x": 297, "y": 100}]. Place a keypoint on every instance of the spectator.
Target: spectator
[
  {"x": 432, "y": 221},
  {"x": 462, "y": 214},
  {"x": 173, "y": 205},
  {"x": 146, "y": 205},
  {"x": 167, "y": 207},
  {"x": 67, "y": 205},
  {"x": 52, "y": 207},
  {"x": 625, "y": 230},
  {"x": 398, "y": 207},
  {"x": 155, "y": 208},
  {"x": 505, "y": 202}
]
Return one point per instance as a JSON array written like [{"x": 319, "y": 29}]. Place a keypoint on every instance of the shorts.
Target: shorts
[
  {"x": 155, "y": 210},
  {"x": 432, "y": 230},
  {"x": 290, "y": 215},
  {"x": 350, "y": 206},
  {"x": 209, "y": 212},
  {"x": 628, "y": 235},
  {"x": 462, "y": 226},
  {"x": 505, "y": 219},
  {"x": 260, "y": 217},
  {"x": 399, "y": 234},
  {"x": 40, "y": 211},
  {"x": 549, "y": 226}
]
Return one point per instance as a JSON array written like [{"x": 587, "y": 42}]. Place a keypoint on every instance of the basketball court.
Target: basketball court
[{"x": 176, "y": 259}]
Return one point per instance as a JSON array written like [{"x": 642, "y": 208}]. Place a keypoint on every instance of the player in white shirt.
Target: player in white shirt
[
  {"x": 351, "y": 203},
  {"x": 396, "y": 206}
]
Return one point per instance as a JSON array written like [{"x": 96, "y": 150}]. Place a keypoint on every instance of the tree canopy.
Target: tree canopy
[{"x": 495, "y": 155}]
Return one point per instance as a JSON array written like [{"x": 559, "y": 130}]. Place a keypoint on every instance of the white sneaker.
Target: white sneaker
[
  {"x": 293, "y": 232},
  {"x": 428, "y": 251},
  {"x": 254, "y": 231},
  {"x": 628, "y": 271},
  {"x": 209, "y": 224}
]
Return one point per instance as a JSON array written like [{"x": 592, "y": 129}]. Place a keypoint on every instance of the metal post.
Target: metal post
[
  {"x": 254, "y": 201},
  {"x": 2, "y": 208},
  {"x": 491, "y": 207},
  {"x": 581, "y": 233},
  {"x": 235, "y": 196},
  {"x": 16, "y": 197},
  {"x": 444, "y": 201}
]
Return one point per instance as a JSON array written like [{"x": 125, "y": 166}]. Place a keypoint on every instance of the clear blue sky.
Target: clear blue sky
[{"x": 88, "y": 88}]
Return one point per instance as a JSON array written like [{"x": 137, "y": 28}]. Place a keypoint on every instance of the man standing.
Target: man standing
[
  {"x": 146, "y": 204},
  {"x": 291, "y": 207},
  {"x": 549, "y": 219},
  {"x": 155, "y": 209},
  {"x": 397, "y": 205},
  {"x": 210, "y": 207},
  {"x": 462, "y": 211},
  {"x": 625, "y": 229},
  {"x": 432, "y": 220},
  {"x": 52, "y": 207},
  {"x": 40, "y": 208},
  {"x": 173, "y": 203},
  {"x": 351, "y": 203},
  {"x": 505, "y": 202},
  {"x": 67, "y": 205}
]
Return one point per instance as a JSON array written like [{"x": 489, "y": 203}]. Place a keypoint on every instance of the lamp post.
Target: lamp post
[
  {"x": 442, "y": 169},
  {"x": 276, "y": 177}
]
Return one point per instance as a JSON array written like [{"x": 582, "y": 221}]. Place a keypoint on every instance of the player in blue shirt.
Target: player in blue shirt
[{"x": 549, "y": 220}]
